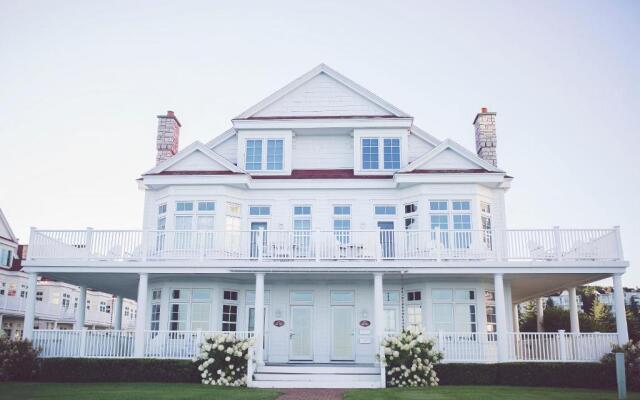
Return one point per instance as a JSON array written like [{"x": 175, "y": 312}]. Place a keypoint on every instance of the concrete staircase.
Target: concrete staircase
[{"x": 317, "y": 376}]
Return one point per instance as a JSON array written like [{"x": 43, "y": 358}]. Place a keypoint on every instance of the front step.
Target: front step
[{"x": 317, "y": 376}]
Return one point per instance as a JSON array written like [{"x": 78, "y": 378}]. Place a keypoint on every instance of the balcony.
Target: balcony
[{"x": 318, "y": 245}]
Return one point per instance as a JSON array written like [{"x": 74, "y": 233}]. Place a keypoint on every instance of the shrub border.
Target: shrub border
[{"x": 90, "y": 370}]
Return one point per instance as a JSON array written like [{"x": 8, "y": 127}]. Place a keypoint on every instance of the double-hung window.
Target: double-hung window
[
  {"x": 230, "y": 311},
  {"x": 342, "y": 223},
  {"x": 414, "y": 309},
  {"x": 380, "y": 153},
  {"x": 264, "y": 154},
  {"x": 156, "y": 300}
]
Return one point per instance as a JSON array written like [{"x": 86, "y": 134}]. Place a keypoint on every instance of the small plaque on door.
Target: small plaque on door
[
  {"x": 279, "y": 323},
  {"x": 365, "y": 323},
  {"x": 365, "y": 340}
]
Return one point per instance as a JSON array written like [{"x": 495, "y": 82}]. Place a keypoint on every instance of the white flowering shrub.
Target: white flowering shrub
[
  {"x": 409, "y": 359},
  {"x": 223, "y": 360}
]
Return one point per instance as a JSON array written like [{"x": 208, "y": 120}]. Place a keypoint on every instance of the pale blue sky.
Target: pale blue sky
[{"x": 81, "y": 83}]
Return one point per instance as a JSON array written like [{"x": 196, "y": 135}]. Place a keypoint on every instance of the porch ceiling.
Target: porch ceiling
[
  {"x": 121, "y": 284},
  {"x": 529, "y": 286}
]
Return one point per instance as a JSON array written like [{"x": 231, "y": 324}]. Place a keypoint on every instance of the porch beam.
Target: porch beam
[
  {"x": 141, "y": 318},
  {"x": 573, "y": 310},
  {"x": 378, "y": 310},
  {"x": 621, "y": 314},
  {"x": 501, "y": 318},
  {"x": 82, "y": 309},
  {"x": 30, "y": 307},
  {"x": 259, "y": 319}
]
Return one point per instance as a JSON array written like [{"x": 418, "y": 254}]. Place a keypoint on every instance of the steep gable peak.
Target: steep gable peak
[{"x": 322, "y": 93}]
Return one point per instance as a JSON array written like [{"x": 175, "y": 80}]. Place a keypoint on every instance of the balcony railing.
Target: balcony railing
[{"x": 319, "y": 245}]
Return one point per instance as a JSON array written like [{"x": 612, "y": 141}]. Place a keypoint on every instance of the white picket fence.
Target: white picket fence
[
  {"x": 264, "y": 245},
  {"x": 456, "y": 346}
]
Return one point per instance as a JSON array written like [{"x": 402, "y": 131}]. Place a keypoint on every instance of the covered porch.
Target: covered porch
[{"x": 331, "y": 317}]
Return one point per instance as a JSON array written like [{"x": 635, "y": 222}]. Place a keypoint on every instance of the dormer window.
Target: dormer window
[
  {"x": 264, "y": 155},
  {"x": 375, "y": 150}
]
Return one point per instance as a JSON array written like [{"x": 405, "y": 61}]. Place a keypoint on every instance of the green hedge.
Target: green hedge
[
  {"x": 579, "y": 375},
  {"x": 117, "y": 370},
  {"x": 584, "y": 375}
]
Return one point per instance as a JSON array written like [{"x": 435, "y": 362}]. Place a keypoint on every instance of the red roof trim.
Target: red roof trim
[
  {"x": 322, "y": 174},
  {"x": 319, "y": 117},
  {"x": 447, "y": 171},
  {"x": 196, "y": 173},
  {"x": 9, "y": 240}
]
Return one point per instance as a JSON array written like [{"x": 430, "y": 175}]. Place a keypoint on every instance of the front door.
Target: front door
[
  {"x": 255, "y": 227},
  {"x": 342, "y": 333},
  {"x": 301, "y": 334},
  {"x": 387, "y": 242}
]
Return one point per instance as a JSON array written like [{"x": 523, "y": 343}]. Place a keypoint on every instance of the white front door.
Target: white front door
[
  {"x": 301, "y": 333},
  {"x": 342, "y": 333}
]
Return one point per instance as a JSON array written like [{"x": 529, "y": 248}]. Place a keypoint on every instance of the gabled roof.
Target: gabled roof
[
  {"x": 317, "y": 71},
  {"x": 427, "y": 137},
  {"x": 458, "y": 149},
  {"x": 194, "y": 147},
  {"x": 3, "y": 221},
  {"x": 221, "y": 138}
]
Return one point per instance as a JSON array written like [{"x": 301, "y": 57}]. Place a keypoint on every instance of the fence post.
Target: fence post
[
  {"x": 557, "y": 241},
  {"x": 202, "y": 239},
  {"x": 618, "y": 242},
  {"x": 498, "y": 244},
  {"x": 144, "y": 246},
  {"x": 621, "y": 378},
  {"x": 316, "y": 244},
  {"x": 83, "y": 342},
  {"x": 87, "y": 242},
  {"x": 259, "y": 243},
  {"x": 379, "y": 243},
  {"x": 562, "y": 343},
  {"x": 440, "y": 341},
  {"x": 32, "y": 242},
  {"x": 438, "y": 244}
]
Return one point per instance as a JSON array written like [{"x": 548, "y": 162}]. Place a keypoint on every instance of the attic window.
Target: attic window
[
  {"x": 260, "y": 156},
  {"x": 380, "y": 153}
]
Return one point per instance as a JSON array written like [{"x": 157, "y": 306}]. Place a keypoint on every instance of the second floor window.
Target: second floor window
[
  {"x": 375, "y": 150},
  {"x": 5, "y": 257},
  {"x": 342, "y": 223},
  {"x": 264, "y": 154}
]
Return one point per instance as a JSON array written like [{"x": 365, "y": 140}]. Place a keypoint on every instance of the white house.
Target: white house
[
  {"x": 321, "y": 221},
  {"x": 56, "y": 302}
]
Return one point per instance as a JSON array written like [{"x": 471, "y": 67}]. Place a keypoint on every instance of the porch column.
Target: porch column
[
  {"x": 540, "y": 315},
  {"x": 516, "y": 318},
  {"x": 30, "y": 309},
  {"x": 141, "y": 318},
  {"x": 378, "y": 311},
  {"x": 78, "y": 325},
  {"x": 259, "y": 318},
  {"x": 573, "y": 310},
  {"x": 501, "y": 317},
  {"x": 621, "y": 314},
  {"x": 117, "y": 316}
]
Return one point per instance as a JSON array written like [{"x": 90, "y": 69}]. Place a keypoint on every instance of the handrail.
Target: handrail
[{"x": 327, "y": 245}]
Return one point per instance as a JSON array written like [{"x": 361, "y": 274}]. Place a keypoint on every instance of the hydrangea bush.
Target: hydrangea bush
[
  {"x": 223, "y": 360},
  {"x": 409, "y": 359}
]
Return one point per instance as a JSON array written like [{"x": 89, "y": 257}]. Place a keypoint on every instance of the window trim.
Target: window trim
[
  {"x": 380, "y": 135},
  {"x": 264, "y": 154}
]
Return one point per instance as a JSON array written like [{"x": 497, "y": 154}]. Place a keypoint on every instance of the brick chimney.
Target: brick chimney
[
  {"x": 486, "y": 139},
  {"x": 168, "y": 136}
]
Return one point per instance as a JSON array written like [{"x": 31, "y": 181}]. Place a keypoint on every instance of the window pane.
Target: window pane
[
  {"x": 342, "y": 210},
  {"x": 390, "y": 318},
  {"x": 370, "y": 154},
  {"x": 414, "y": 295},
  {"x": 385, "y": 210},
  {"x": 462, "y": 222},
  {"x": 184, "y": 206},
  {"x": 438, "y": 205},
  {"x": 465, "y": 295},
  {"x": 274, "y": 154},
  {"x": 414, "y": 315},
  {"x": 230, "y": 295},
  {"x": 443, "y": 317},
  {"x": 341, "y": 297},
  {"x": 201, "y": 294},
  {"x": 302, "y": 210},
  {"x": 461, "y": 205},
  {"x": 183, "y": 222},
  {"x": 301, "y": 297},
  {"x": 391, "y": 153},
  {"x": 162, "y": 208},
  {"x": 205, "y": 223},
  {"x": 259, "y": 210},
  {"x": 392, "y": 296},
  {"x": 206, "y": 206},
  {"x": 254, "y": 155},
  {"x": 439, "y": 221},
  {"x": 410, "y": 208},
  {"x": 302, "y": 224}
]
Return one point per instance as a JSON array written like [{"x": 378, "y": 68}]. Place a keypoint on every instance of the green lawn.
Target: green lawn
[
  {"x": 128, "y": 391},
  {"x": 485, "y": 393}
]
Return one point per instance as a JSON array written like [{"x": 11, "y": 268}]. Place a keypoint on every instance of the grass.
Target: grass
[
  {"x": 485, "y": 393},
  {"x": 128, "y": 391}
]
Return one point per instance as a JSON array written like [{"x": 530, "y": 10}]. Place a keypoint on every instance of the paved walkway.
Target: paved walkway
[{"x": 311, "y": 394}]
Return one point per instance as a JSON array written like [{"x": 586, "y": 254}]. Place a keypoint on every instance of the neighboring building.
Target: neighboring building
[
  {"x": 561, "y": 300},
  {"x": 56, "y": 302},
  {"x": 322, "y": 220}
]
